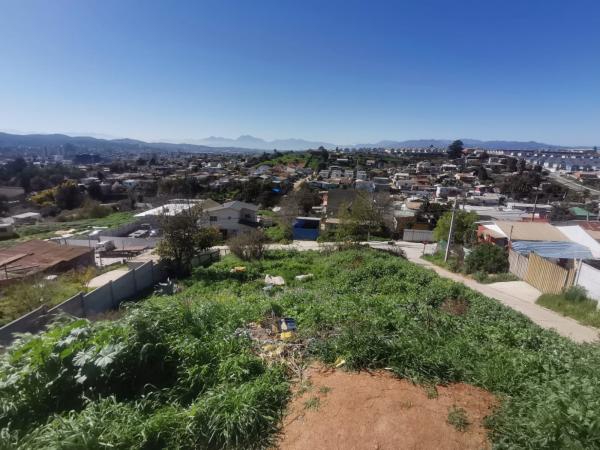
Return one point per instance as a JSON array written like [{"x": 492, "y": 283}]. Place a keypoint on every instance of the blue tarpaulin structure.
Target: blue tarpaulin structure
[{"x": 553, "y": 249}]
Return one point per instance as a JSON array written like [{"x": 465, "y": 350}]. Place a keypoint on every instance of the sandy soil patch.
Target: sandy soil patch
[{"x": 377, "y": 411}]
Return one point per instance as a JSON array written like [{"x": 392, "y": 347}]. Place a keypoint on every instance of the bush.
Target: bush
[
  {"x": 248, "y": 246},
  {"x": 576, "y": 294},
  {"x": 488, "y": 258},
  {"x": 279, "y": 233}
]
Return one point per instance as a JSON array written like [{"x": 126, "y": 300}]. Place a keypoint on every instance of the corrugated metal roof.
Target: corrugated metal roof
[
  {"x": 556, "y": 250},
  {"x": 579, "y": 235}
]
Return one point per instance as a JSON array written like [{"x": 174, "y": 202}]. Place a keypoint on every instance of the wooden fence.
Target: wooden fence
[
  {"x": 517, "y": 264},
  {"x": 546, "y": 276}
]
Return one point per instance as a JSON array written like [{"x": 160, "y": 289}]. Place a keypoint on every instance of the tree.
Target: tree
[
  {"x": 482, "y": 174},
  {"x": 360, "y": 219},
  {"x": 455, "y": 149},
  {"x": 488, "y": 258},
  {"x": 512, "y": 165},
  {"x": 248, "y": 246},
  {"x": 4, "y": 207},
  {"x": 95, "y": 192},
  {"x": 68, "y": 195},
  {"x": 464, "y": 227},
  {"x": 183, "y": 239}
]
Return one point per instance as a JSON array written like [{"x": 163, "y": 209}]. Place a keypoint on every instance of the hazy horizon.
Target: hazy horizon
[{"x": 341, "y": 72}]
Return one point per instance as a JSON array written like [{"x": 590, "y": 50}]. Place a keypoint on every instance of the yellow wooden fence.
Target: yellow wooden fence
[{"x": 546, "y": 276}]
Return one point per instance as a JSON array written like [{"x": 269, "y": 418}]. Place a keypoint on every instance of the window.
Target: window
[{"x": 213, "y": 218}]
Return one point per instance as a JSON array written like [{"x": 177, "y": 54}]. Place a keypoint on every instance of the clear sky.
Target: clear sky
[{"x": 340, "y": 71}]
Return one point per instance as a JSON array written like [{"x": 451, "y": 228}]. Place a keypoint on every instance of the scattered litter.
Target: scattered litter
[
  {"x": 50, "y": 277},
  {"x": 304, "y": 277},
  {"x": 167, "y": 288},
  {"x": 270, "y": 342},
  {"x": 287, "y": 324},
  {"x": 274, "y": 280},
  {"x": 238, "y": 269},
  {"x": 339, "y": 362}
]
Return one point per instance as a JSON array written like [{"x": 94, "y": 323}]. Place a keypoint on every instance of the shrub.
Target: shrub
[
  {"x": 488, "y": 258},
  {"x": 248, "y": 246},
  {"x": 279, "y": 233},
  {"x": 576, "y": 294}
]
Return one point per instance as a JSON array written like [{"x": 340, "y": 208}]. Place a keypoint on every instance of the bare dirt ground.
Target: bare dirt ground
[{"x": 376, "y": 411}]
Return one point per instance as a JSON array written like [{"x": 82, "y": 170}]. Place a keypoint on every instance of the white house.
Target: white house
[{"x": 231, "y": 217}]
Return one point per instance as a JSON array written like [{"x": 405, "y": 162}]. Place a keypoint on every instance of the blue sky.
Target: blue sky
[{"x": 339, "y": 71}]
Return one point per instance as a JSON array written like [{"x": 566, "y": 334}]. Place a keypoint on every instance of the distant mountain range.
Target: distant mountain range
[
  {"x": 88, "y": 143},
  {"x": 247, "y": 141},
  {"x": 242, "y": 144}
]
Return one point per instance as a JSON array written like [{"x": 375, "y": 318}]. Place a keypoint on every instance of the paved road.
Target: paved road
[
  {"x": 572, "y": 184},
  {"x": 517, "y": 295}
]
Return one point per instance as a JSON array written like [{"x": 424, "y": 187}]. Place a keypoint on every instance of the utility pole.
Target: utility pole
[
  {"x": 451, "y": 232},
  {"x": 534, "y": 206}
]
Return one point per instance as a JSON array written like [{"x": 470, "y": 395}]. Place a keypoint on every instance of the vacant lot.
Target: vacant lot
[
  {"x": 198, "y": 370},
  {"x": 48, "y": 229}
]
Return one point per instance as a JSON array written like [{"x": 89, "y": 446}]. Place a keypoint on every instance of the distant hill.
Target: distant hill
[
  {"x": 244, "y": 143},
  {"x": 247, "y": 141},
  {"x": 8, "y": 140},
  {"x": 442, "y": 143}
]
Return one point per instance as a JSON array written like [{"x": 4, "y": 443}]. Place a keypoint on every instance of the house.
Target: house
[
  {"x": 7, "y": 230},
  {"x": 231, "y": 218},
  {"x": 579, "y": 235},
  {"x": 306, "y": 228},
  {"x": 34, "y": 257},
  {"x": 28, "y": 218},
  {"x": 506, "y": 233},
  {"x": 580, "y": 213}
]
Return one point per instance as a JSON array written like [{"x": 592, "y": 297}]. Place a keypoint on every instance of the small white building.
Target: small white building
[{"x": 232, "y": 218}]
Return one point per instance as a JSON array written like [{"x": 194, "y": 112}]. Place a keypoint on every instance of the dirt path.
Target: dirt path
[{"x": 376, "y": 411}]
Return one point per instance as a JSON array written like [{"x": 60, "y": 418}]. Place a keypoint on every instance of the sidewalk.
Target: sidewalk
[{"x": 517, "y": 295}]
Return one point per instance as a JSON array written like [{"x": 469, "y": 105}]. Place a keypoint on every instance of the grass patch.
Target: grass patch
[
  {"x": 47, "y": 230},
  {"x": 325, "y": 389},
  {"x": 453, "y": 265},
  {"x": 488, "y": 278},
  {"x": 457, "y": 417},
  {"x": 579, "y": 307},
  {"x": 176, "y": 372},
  {"x": 312, "y": 403},
  {"x": 24, "y": 296}
]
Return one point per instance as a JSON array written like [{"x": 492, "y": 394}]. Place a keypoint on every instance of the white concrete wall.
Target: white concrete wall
[{"x": 589, "y": 278}]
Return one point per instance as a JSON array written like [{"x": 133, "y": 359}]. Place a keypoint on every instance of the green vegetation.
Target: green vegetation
[
  {"x": 47, "y": 229},
  {"x": 299, "y": 158},
  {"x": 279, "y": 233},
  {"x": 437, "y": 258},
  {"x": 457, "y": 417},
  {"x": 177, "y": 372},
  {"x": 464, "y": 227},
  {"x": 183, "y": 239},
  {"x": 574, "y": 303},
  {"x": 487, "y": 258},
  {"x": 488, "y": 278},
  {"x": 24, "y": 296}
]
